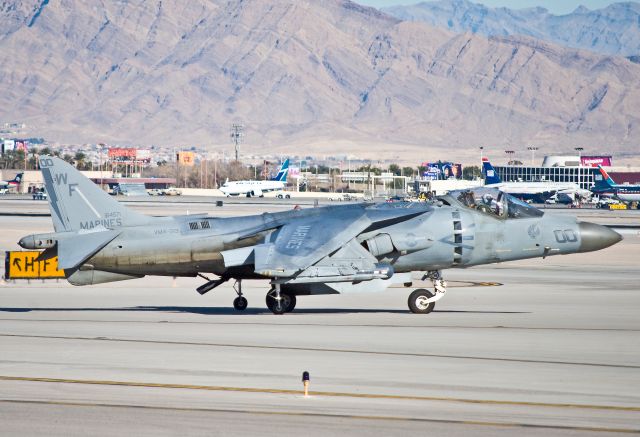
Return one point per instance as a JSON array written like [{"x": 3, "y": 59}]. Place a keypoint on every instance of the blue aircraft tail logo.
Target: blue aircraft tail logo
[
  {"x": 282, "y": 174},
  {"x": 490, "y": 175},
  {"x": 603, "y": 180}
]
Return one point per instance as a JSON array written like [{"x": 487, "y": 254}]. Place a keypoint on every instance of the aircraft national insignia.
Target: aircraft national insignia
[{"x": 534, "y": 231}]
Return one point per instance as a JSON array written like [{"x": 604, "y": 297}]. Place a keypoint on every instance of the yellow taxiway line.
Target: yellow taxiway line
[{"x": 319, "y": 393}]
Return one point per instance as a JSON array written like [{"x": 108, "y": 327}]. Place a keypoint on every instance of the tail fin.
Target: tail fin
[
  {"x": 15, "y": 181},
  {"x": 490, "y": 176},
  {"x": 603, "y": 180},
  {"x": 284, "y": 170},
  {"x": 78, "y": 204}
]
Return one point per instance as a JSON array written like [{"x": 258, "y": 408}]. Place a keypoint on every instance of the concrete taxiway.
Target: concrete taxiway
[{"x": 540, "y": 346}]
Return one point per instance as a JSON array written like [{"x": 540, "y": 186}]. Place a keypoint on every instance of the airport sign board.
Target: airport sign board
[
  {"x": 25, "y": 265},
  {"x": 187, "y": 159},
  {"x": 594, "y": 161}
]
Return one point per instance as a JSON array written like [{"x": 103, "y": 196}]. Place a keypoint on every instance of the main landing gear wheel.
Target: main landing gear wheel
[
  {"x": 418, "y": 301},
  {"x": 286, "y": 304},
  {"x": 240, "y": 303}
]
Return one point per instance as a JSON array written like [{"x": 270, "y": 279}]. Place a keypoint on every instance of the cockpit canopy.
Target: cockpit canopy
[{"x": 494, "y": 202}]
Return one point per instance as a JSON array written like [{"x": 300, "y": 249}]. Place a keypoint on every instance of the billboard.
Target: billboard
[
  {"x": 8, "y": 145},
  {"x": 122, "y": 154},
  {"x": 294, "y": 172},
  {"x": 186, "y": 158},
  {"x": 128, "y": 154},
  {"x": 594, "y": 161},
  {"x": 442, "y": 170},
  {"x": 22, "y": 145},
  {"x": 143, "y": 155}
]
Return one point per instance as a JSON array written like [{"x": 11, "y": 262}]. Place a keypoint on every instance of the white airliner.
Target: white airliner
[
  {"x": 535, "y": 191},
  {"x": 257, "y": 188}
]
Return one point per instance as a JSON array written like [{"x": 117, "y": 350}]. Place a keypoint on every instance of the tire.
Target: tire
[
  {"x": 415, "y": 304},
  {"x": 240, "y": 303},
  {"x": 279, "y": 196},
  {"x": 288, "y": 302},
  {"x": 292, "y": 303},
  {"x": 287, "y": 196}
]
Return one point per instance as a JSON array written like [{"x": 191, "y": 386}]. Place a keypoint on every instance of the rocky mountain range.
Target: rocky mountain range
[
  {"x": 613, "y": 30},
  {"x": 314, "y": 76}
]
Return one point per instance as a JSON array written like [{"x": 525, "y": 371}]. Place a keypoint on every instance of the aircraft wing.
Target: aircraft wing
[{"x": 303, "y": 242}]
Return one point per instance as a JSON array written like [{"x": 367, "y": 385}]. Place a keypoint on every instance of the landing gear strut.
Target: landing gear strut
[
  {"x": 239, "y": 303},
  {"x": 279, "y": 302},
  {"x": 423, "y": 301},
  {"x": 211, "y": 283}
]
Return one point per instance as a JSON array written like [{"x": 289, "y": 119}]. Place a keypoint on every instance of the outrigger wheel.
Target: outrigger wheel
[
  {"x": 240, "y": 303},
  {"x": 418, "y": 301},
  {"x": 287, "y": 302}
]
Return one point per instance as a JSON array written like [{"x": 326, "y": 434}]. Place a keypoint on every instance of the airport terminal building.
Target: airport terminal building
[{"x": 577, "y": 169}]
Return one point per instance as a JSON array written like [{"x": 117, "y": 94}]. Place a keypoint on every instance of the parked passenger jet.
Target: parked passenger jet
[
  {"x": 12, "y": 183},
  {"x": 535, "y": 191},
  {"x": 605, "y": 186},
  {"x": 252, "y": 188}
]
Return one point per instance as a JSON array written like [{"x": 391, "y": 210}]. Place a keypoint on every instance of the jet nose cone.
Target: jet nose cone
[{"x": 596, "y": 237}]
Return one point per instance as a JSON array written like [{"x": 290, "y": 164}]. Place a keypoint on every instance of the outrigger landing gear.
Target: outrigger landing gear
[
  {"x": 423, "y": 301},
  {"x": 279, "y": 302},
  {"x": 239, "y": 303},
  {"x": 211, "y": 283}
]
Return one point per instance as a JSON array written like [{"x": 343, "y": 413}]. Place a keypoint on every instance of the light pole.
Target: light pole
[
  {"x": 236, "y": 136},
  {"x": 481, "y": 154},
  {"x": 509, "y": 156},
  {"x": 532, "y": 149},
  {"x": 579, "y": 150}
]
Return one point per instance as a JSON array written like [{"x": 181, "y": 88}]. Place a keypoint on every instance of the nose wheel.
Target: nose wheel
[
  {"x": 423, "y": 301},
  {"x": 419, "y": 301}
]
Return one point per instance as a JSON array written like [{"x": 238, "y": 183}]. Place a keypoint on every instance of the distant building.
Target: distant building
[
  {"x": 32, "y": 180},
  {"x": 566, "y": 168}
]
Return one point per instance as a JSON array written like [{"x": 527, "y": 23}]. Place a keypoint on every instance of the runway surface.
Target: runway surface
[{"x": 540, "y": 346}]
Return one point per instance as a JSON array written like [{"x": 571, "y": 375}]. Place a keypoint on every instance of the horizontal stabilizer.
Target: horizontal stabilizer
[{"x": 75, "y": 250}]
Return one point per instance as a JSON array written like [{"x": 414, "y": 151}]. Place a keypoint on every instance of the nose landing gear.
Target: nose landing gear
[{"x": 423, "y": 301}]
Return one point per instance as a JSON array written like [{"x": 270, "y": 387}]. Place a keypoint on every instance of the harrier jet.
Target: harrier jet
[{"x": 362, "y": 247}]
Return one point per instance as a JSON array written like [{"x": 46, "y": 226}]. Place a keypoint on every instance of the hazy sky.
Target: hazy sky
[{"x": 554, "y": 6}]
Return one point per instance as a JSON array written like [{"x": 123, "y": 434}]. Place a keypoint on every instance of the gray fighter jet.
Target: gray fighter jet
[{"x": 334, "y": 249}]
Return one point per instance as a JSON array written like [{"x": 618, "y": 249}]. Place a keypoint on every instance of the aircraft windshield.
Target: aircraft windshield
[{"x": 494, "y": 202}]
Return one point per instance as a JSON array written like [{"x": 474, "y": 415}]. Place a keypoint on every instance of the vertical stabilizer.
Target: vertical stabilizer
[
  {"x": 490, "y": 175},
  {"x": 78, "y": 204},
  {"x": 284, "y": 170},
  {"x": 603, "y": 180}
]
